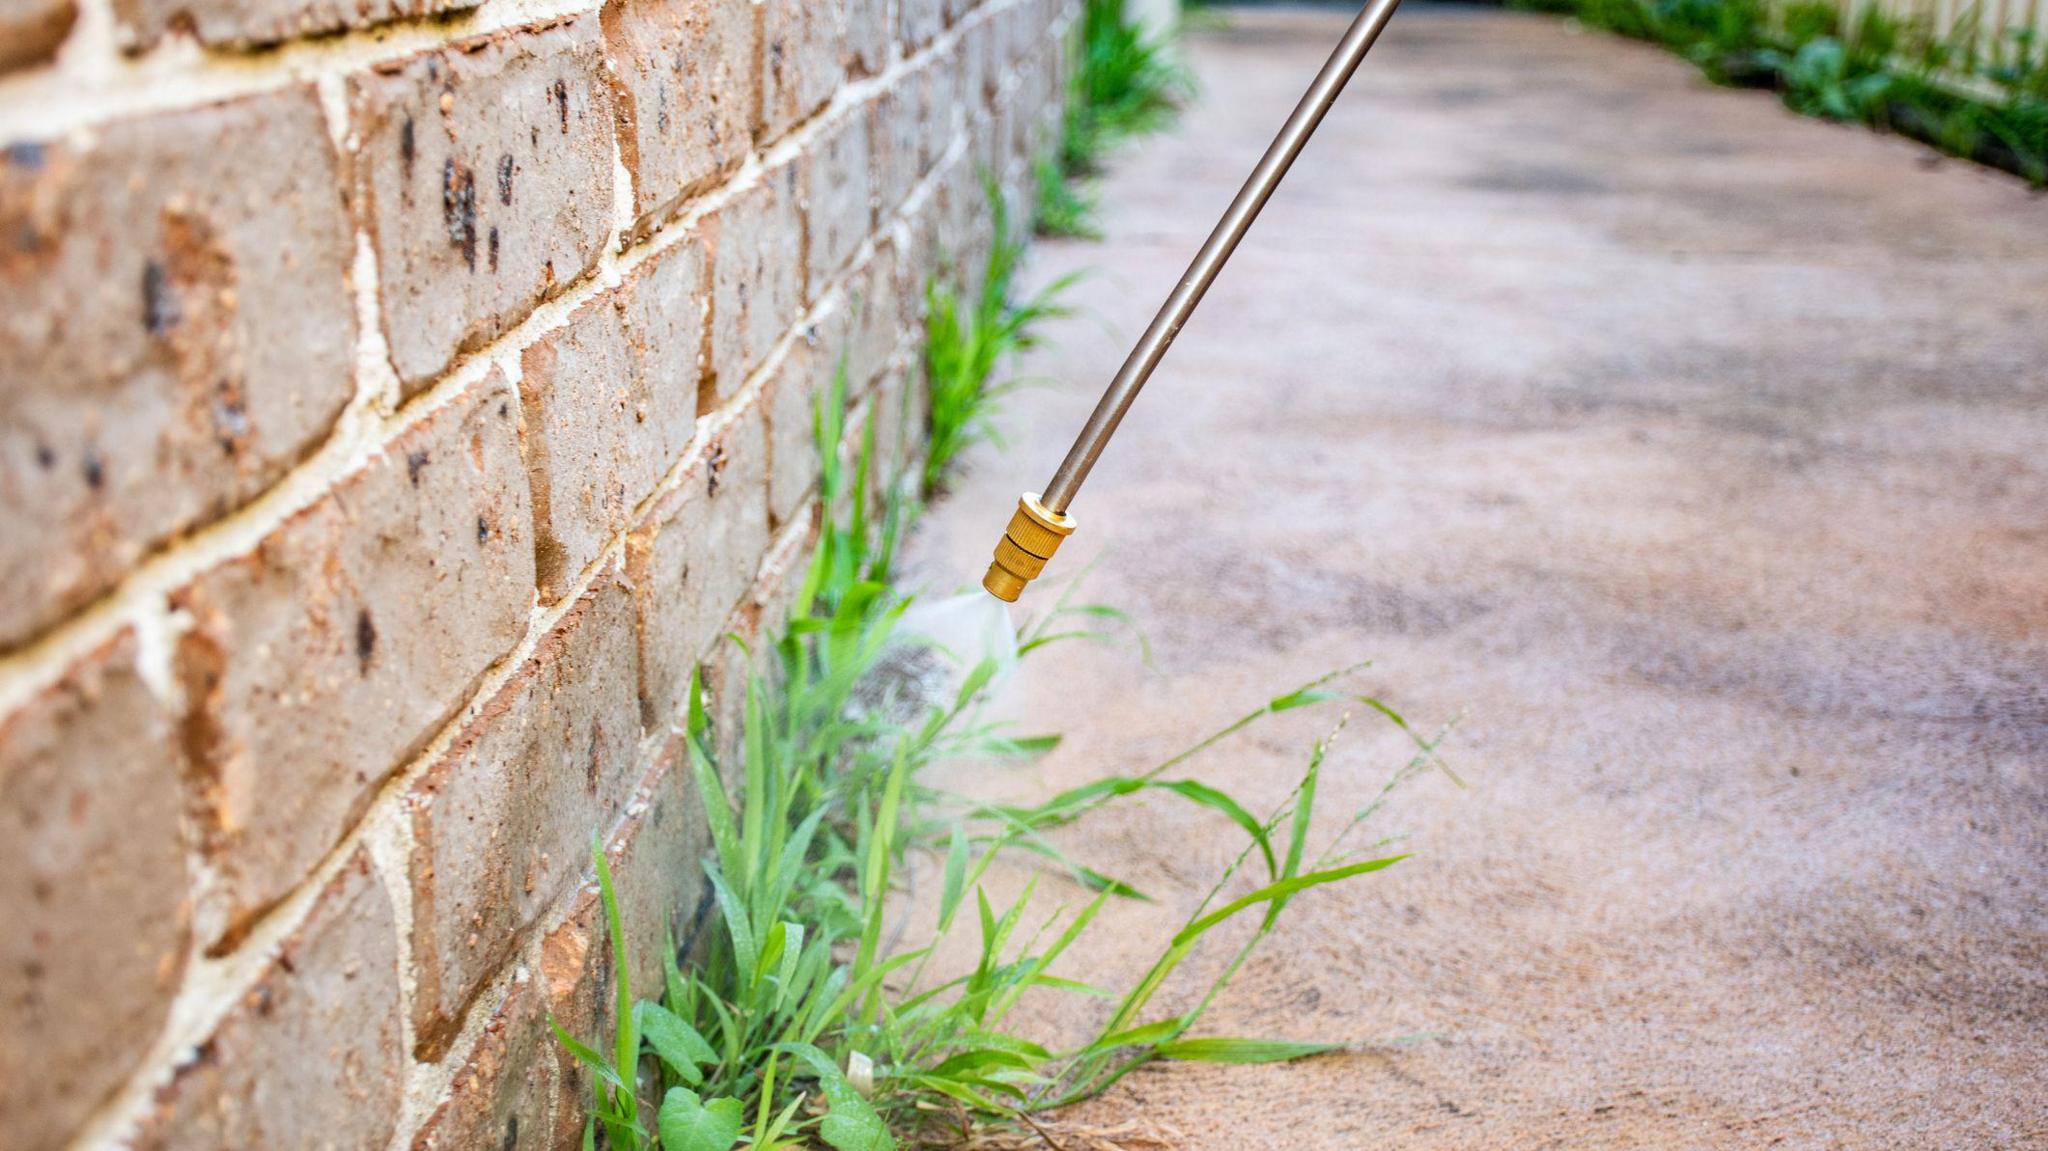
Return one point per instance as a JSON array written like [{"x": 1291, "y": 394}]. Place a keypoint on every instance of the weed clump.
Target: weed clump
[
  {"x": 1125, "y": 83},
  {"x": 965, "y": 340},
  {"x": 805, "y": 1022}
]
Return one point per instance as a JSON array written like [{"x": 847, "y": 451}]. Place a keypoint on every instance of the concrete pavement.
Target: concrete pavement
[{"x": 1697, "y": 455}]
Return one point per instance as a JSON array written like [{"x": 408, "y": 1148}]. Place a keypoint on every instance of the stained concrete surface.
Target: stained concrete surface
[{"x": 1697, "y": 455}]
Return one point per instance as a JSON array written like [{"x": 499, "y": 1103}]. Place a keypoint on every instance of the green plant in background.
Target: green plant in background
[
  {"x": 966, "y": 340},
  {"x": 1065, "y": 206},
  {"x": 1805, "y": 20},
  {"x": 1982, "y": 97},
  {"x": 805, "y": 1023},
  {"x": 1125, "y": 83},
  {"x": 1723, "y": 37},
  {"x": 1823, "y": 79}
]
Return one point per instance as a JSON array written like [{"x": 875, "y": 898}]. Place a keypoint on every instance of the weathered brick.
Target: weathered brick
[
  {"x": 657, "y": 862},
  {"x": 961, "y": 215},
  {"x": 1029, "y": 98},
  {"x": 311, "y": 1055},
  {"x": 865, "y": 33},
  {"x": 942, "y": 108},
  {"x": 781, "y": 580},
  {"x": 980, "y": 56},
  {"x": 330, "y": 655},
  {"x": 92, "y": 887},
  {"x": 140, "y": 24},
  {"x": 177, "y": 327},
  {"x": 610, "y": 402},
  {"x": 801, "y": 62},
  {"x": 1012, "y": 36},
  {"x": 919, "y": 256},
  {"x": 502, "y": 823},
  {"x": 901, "y": 410},
  {"x": 790, "y": 399},
  {"x": 655, "y": 856},
  {"x": 686, "y": 86},
  {"x": 486, "y": 171},
  {"x": 839, "y": 198},
  {"x": 875, "y": 302},
  {"x": 576, "y": 974},
  {"x": 31, "y": 30},
  {"x": 762, "y": 618},
  {"x": 895, "y": 120},
  {"x": 727, "y": 667},
  {"x": 694, "y": 558},
  {"x": 500, "y": 1095},
  {"x": 917, "y": 21},
  {"x": 758, "y": 275}
]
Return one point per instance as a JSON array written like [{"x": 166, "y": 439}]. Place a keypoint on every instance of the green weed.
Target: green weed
[
  {"x": 965, "y": 341},
  {"x": 805, "y": 1022},
  {"x": 1125, "y": 83},
  {"x": 1805, "y": 20},
  {"x": 1823, "y": 79},
  {"x": 1066, "y": 207}
]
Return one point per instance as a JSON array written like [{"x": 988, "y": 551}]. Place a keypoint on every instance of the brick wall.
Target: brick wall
[{"x": 402, "y": 397}]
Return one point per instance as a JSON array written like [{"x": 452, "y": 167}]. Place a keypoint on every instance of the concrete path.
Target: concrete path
[{"x": 1697, "y": 455}]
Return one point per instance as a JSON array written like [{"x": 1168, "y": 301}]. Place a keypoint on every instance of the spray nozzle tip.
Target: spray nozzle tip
[{"x": 1034, "y": 534}]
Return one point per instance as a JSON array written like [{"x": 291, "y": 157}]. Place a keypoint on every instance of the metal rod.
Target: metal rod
[{"x": 1358, "y": 40}]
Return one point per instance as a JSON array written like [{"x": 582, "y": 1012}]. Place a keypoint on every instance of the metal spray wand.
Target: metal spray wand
[{"x": 1041, "y": 522}]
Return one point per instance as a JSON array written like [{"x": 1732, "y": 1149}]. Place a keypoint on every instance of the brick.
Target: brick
[
  {"x": 917, "y": 21},
  {"x": 576, "y": 974},
  {"x": 177, "y": 326},
  {"x": 980, "y": 62},
  {"x": 610, "y": 402},
  {"x": 1029, "y": 98},
  {"x": 758, "y": 276},
  {"x": 500, "y": 1095},
  {"x": 1012, "y": 30},
  {"x": 801, "y": 61},
  {"x": 839, "y": 198},
  {"x": 943, "y": 109},
  {"x": 902, "y": 411},
  {"x": 92, "y": 886},
  {"x": 761, "y": 619},
  {"x": 875, "y": 302},
  {"x": 656, "y": 857},
  {"x": 918, "y": 257},
  {"x": 865, "y": 33},
  {"x": 310, "y": 1056},
  {"x": 503, "y": 821},
  {"x": 791, "y": 400},
  {"x": 685, "y": 82},
  {"x": 140, "y": 24},
  {"x": 961, "y": 213},
  {"x": 332, "y": 653},
  {"x": 694, "y": 559},
  {"x": 896, "y": 128},
  {"x": 486, "y": 173},
  {"x": 726, "y": 668},
  {"x": 657, "y": 862},
  {"x": 31, "y": 30},
  {"x": 781, "y": 582}
]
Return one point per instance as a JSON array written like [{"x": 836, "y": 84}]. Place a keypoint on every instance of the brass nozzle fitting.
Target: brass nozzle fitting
[{"x": 1034, "y": 533}]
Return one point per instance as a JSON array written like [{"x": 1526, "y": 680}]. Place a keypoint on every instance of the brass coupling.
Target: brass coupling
[{"x": 1034, "y": 533}]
